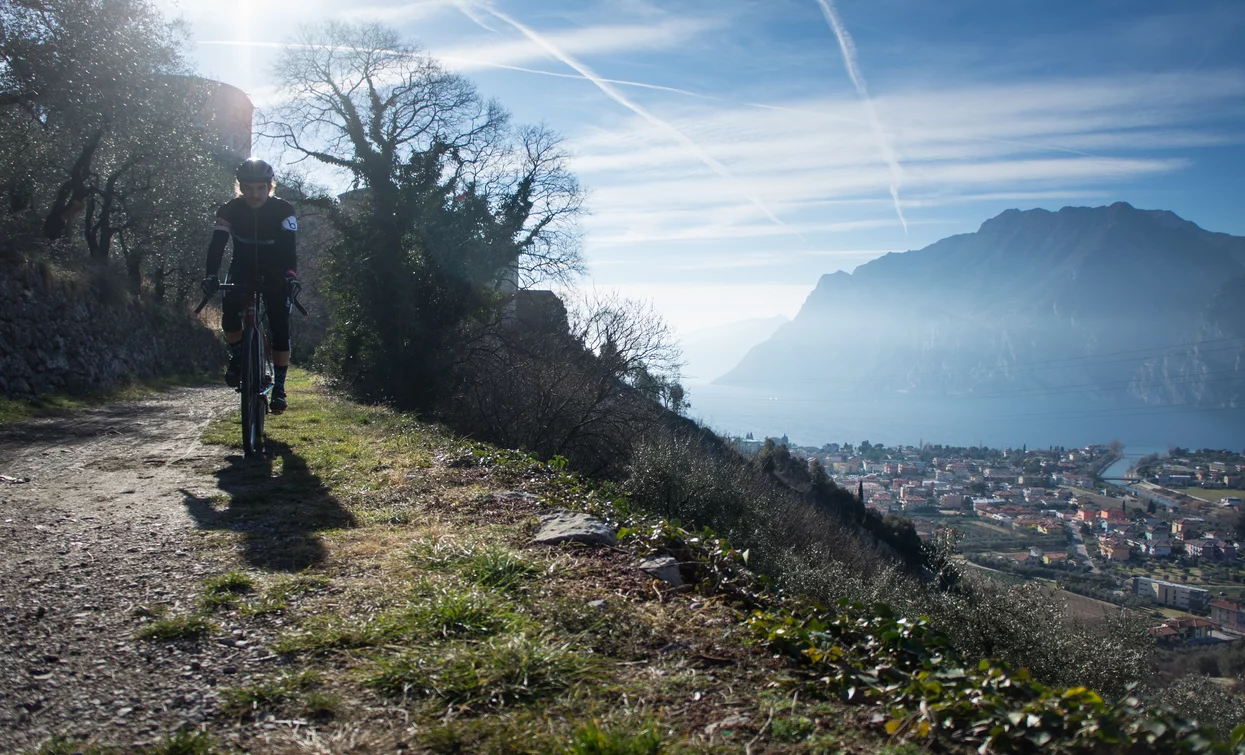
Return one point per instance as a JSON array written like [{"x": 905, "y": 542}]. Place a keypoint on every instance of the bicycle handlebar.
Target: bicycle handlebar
[{"x": 231, "y": 286}]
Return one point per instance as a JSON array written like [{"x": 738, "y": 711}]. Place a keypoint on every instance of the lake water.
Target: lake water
[
  {"x": 1119, "y": 467},
  {"x": 1002, "y": 423}
]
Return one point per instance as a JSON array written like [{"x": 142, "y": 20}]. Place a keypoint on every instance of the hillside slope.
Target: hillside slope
[
  {"x": 711, "y": 352},
  {"x": 373, "y": 587}
]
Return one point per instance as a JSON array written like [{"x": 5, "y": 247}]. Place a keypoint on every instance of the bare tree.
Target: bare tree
[
  {"x": 452, "y": 207},
  {"x": 360, "y": 99},
  {"x": 586, "y": 389}
]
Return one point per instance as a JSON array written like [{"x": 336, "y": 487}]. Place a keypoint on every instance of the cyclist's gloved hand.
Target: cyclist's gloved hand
[{"x": 210, "y": 285}]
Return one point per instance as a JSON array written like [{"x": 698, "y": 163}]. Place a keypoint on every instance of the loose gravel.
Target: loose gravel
[{"x": 94, "y": 534}]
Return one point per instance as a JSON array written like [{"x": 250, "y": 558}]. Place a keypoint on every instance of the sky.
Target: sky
[{"x": 736, "y": 150}]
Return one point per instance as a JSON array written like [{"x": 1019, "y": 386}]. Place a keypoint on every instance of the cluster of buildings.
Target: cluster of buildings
[
  {"x": 1226, "y": 616},
  {"x": 1187, "y": 473},
  {"x": 1017, "y": 491},
  {"x": 1049, "y": 492},
  {"x": 1149, "y": 536}
]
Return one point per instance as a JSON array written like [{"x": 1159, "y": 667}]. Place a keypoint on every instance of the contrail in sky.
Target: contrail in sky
[
  {"x": 853, "y": 70},
  {"x": 617, "y": 96},
  {"x": 659, "y": 88}
]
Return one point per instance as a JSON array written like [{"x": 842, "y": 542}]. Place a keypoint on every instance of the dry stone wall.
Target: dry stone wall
[{"x": 75, "y": 336}]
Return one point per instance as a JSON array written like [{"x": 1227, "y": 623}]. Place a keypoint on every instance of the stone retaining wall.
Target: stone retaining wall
[{"x": 74, "y": 336}]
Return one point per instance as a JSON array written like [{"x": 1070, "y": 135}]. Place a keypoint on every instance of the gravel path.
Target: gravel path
[{"x": 94, "y": 524}]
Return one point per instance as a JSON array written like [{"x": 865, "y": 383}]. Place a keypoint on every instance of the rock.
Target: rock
[
  {"x": 596, "y": 603},
  {"x": 573, "y": 527},
  {"x": 664, "y": 568}
]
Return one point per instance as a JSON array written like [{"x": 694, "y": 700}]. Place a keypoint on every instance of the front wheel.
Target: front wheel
[{"x": 254, "y": 400}]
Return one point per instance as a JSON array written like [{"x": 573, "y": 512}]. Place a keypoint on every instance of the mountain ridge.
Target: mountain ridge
[{"x": 963, "y": 315}]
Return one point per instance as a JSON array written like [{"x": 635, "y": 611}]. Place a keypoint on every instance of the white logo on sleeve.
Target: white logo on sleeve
[{"x": 290, "y": 224}]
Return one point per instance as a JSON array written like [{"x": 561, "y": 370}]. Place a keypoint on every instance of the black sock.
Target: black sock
[
  {"x": 279, "y": 374},
  {"x": 235, "y": 352}
]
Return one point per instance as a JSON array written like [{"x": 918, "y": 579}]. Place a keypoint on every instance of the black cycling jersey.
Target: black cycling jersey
[
  {"x": 263, "y": 237},
  {"x": 263, "y": 242}
]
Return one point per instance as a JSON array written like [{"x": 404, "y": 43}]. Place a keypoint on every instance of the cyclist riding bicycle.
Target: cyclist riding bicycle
[{"x": 264, "y": 231}]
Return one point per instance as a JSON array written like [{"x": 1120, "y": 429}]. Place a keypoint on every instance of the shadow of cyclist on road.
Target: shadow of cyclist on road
[{"x": 277, "y": 504}]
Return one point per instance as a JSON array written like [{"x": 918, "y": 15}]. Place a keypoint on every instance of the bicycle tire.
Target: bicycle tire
[
  {"x": 252, "y": 396},
  {"x": 263, "y": 379}
]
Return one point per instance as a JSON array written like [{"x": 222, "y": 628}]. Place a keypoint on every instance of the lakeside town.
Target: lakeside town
[{"x": 1163, "y": 538}]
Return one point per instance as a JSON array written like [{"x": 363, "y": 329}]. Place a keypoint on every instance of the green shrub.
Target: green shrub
[
  {"x": 618, "y": 740},
  {"x": 175, "y": 628},
  {"x": 499, "y": 671},
  {"x": 234, "y": 583},
  {"x": 455, "y": 613},
  {"x": 930, "y": 690},
  {"x": 266, "y": 695},
  {"x": 181, "y": 743},
  {"x": 813, "y": 550},
  {"x": 498, "y": 568}
]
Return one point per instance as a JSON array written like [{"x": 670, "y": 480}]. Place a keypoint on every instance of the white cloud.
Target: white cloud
[
  {"x": 812, "y": 159},
  {"x": 709, "y": 231},
  {"x": 749, "y": 260},
  {"x": 848, "y": 47},
  {"x": 816, "y": 162}
]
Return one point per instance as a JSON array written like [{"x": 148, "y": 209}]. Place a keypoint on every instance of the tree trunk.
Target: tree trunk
[
  {"x": 90, "y": 228},
  {"x": 99, "y": 233},
  {"x": 73, "y": 192},
  {"x": 158, "y": 283},
  {"x": 133, "y": 264}
]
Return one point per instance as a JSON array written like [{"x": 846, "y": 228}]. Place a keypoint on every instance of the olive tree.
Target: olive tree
[{"x": 108, "y": 124}]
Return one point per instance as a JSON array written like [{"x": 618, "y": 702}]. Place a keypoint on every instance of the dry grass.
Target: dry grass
[
  {"x": 427, "y": 618},
  {"x": 59, "y": 404},
  {"x": 1087, "y": 609}
]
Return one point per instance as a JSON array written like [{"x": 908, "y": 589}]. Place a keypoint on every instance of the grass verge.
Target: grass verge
[
  {"x": 418, "y": 593},
  {"x": 58, "y": 404},
  {"x": 174, "y": 628},
  {"x": 438, "y": 623}
]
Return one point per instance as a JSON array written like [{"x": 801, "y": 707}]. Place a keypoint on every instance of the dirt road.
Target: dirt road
[{"x": 95, "y": 528}]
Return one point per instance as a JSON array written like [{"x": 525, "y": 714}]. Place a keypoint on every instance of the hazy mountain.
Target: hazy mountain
[
  {"x": 1106, "y": 301},
  {"x": 710, "y": 352}
]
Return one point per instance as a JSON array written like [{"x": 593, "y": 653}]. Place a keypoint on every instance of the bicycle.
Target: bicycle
[{"x": 257, "y": 383}]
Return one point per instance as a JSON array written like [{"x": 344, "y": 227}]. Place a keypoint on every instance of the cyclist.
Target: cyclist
[{"x": 264, "y": 230}]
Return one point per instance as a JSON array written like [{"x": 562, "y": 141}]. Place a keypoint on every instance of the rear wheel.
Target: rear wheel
[{"x": 254, "y": 402}]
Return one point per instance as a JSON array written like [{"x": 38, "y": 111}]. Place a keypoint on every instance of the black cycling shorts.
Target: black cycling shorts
[{"x": 275, "y": 301}]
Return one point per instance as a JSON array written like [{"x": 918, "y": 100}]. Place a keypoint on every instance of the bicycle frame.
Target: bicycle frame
[
  {"x": 256, "y": 385},
  {"x": 255, "y": 319}
]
